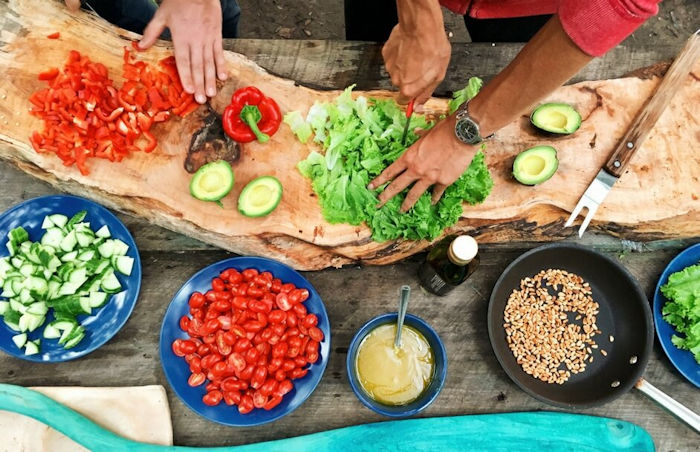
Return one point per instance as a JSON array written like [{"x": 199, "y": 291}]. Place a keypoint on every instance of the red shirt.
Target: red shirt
[{"x": 596, "y": 26}]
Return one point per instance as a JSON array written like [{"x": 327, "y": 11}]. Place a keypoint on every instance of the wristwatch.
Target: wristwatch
[{"x": 466, "y": 128}]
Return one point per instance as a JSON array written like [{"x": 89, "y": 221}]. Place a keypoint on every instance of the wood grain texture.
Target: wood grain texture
[
  {"x": 296, "y": 232},
  {"x": 647, "y": 116}
]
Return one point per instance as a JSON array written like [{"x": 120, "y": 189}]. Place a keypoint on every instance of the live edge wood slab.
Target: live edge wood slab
[
  {"x": 656, "y": 198},
  {"x": 352, "y": 295}
]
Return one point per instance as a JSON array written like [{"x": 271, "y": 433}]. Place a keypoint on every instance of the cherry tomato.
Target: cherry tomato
[
  {"x": 316, "y": 334},
  {"x": 237, "y": 361},
  {"x": 209, "y": 339},
  {"x": 286, "y": 288},
  {"x": 257, "y": 306},
  {"x": 300, "y": 361},
  {"x": 196, "y": 365},
  {"x": 304, "y": 294},
  {"x": 177, "y": 347},
  {"x": 312, "y": 357},
  {"x": 252, "y": 355},
  {"x": 280, "y": 375},
  {"x": 238, "y": 330},
  {"x": 211, "y": 325},
  {"x": 255, "y": 291},
  {"x": 283, "y": 302},
  {"x": 249, "y": 274},
  {"x": 272, "y": 402},
  {"x": 218, "y": 284},
  {"x": 253, "y": 326},
  {"x": 284, "y": 387},
  {"x": 203, "y": 350},
  {"x": 259, "y": 376},
  {"x": 210, "y": 296},
  {"x": 277, "y": 317},
  {"x": 196, "y": 300},
  {"x": 310, "y": 320},
  {"x": 212, "y": 386},
  {"x": 298, "y": 373},
  {"x": 221, "y": 305},
  {"x": 275, "y": 363},
  {"x": 247, "y": 373},
  {"x": 209, "y": 360},
  {"x": 279, "y": 350},
  {"x": 259, "y": 400},
  {"x": 245, "y": 406},
  {"x": 276, "y": 286},
  {"x": 212, "y": 398},
  {"x": 225, "y": 321},
  {"x": 294, "y": 296},
  {"x": 184, "y": 323},
  {"x": 235, "y": 277},
  {"x": 242, "y": 345},
  {"x": 311, "y": 346},
  {"x": 291, "y": 319},
  {"x": 211, "y": 314},
  {"x": 222, "y": 345},
  {"x": 188, "y": 347},
  {"x": 299, "y": 310},
  {"x": 218, "y": 369},
  {"x": 232, "y": 398},
  {"x": 196, "y": 379},
  {"x": 288, "y": 365}
]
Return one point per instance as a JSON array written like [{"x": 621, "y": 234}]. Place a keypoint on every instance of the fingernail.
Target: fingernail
[
  {"x": 211, "y": 92},
  {"x": 370, "y": 187},
  {"x": 200, "y": 98},
  {"x": 223, "y": 76}
]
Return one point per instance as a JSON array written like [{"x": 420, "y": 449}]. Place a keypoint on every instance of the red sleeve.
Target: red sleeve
[{"x": 597, "y": 26}]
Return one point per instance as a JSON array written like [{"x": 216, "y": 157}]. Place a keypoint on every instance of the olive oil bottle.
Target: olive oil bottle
[{"x": 448, "y": 264}]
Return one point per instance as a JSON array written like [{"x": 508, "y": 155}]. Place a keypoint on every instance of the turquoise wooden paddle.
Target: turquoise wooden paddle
[{"x": 536, "y": 431}]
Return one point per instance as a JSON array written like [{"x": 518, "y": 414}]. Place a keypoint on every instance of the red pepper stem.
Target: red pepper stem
[{"x": 250, "y": 114}]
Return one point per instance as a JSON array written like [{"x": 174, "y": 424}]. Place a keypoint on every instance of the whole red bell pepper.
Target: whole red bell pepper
[{"x": 251, "y": 115}]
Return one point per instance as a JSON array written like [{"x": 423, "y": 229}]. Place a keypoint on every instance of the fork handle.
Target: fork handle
[{"x": 650, "y": 113}]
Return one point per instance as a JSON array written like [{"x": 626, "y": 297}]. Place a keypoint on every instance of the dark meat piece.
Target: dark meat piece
[{"x": 210, "y": 144}]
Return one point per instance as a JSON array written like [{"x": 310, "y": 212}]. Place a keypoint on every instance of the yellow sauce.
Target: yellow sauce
[{"x": 390, "y": 375}]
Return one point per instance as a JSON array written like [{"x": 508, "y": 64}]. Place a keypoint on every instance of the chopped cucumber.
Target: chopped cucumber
[
  {"x": 20, "y": 339},
  {"x": 38, "y": 308},
  {"x": 69, "y": 257},
  {"x": 75, "y": 219},
  {"x": 72, "y": 342},
  {"x": 18, "y": 235},
  {"x": 31, "y": 348},
  {"x": 47, "y": 223},
  {"x": 103, "y": 232},
  {"x": 106, "y": 249},
  {"x": 86, "y": 256},
  {"x": 59, "y": 220},
  {"x": 84, "y": 239},
  {"x": 4, "y": 306},
  {"x": 51, "y": 332},
  {"x": 124, "y": 264},
  {"x": 53, "y": 237},
  {"x": 69, "y": 241},
  {"x": 110, "y": 283},
  {"x": 97, "y": 299}
]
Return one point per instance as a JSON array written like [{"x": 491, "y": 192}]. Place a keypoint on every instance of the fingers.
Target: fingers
[
  {"x": 438, "y": 191},
  {"x": 414, "y": 193},
  {"x": 209, "y": 72},
  {"x": 197, "y": 70},
  {"x": 182, "y": 61},
  {"x": 397, "y": 186},
  {"x": 152, "y": 31},
  {"x": 73, "y": 5},
  {"x": 219, "y": 58},
  {"x": 388, "y": 174}
]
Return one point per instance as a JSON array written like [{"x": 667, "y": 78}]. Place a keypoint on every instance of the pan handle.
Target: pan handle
[{"x": 680, "y": 411}]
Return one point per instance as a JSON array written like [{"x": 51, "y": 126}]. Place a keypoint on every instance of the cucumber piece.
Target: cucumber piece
[
  {"x": 24, "y": 322},
  {"x": 32, "y": 321},
  {"x": 38, "y": 308},
  {"x": 54, "y": 288},
  {"x": 106, "y": 249},
  {"x": 65, "y": 269},
  {"x": 120, "y": 248},
  {"x": 47, "y": 223},
  {"x": 31, "y": 348},
  {"x": 71, "y": 333},
  {"x": 69, "y": 257},
  {"x": 5, "y": 305},
  {"x": 5, "y": 266},
  {"x": 85, "y": 305},
  {"x": 75, "y": 219},
  {"x": 123, "y": 264},
  {"x": 12, "y": 248},
  {"x": 17, "y": 306},
  {"x": 12, "y": 325},
  {"x": 20, "y": 339},
  {"x": 69, "y": 288},
  {"x": 72, "y": 342},
  {"x": 25, "y": 296},
  {"x": 110, "y": 283},
  {"x": 84, "y": 239},
  {"x": 103, "y": 232},
  {"x": 52, "y": 237},
  {"x": 51, "y": 332},
  {"x": 86, "y": 256},
  {"x": 18, "y": 235},
  {"x": 63, "y": 325},
  {"x": 27, "y": 269},
  {"x": 58, "y": 220},
  {"x": 78, "y": 276},
  {"x": 97, "y": 299},
  {"x": 38, "y": 285},
  {"x": 69, "y": 242},
  {"x": 53, "y": 264}
]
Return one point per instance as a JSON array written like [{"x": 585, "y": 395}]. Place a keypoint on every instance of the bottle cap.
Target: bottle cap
[{"x": 463, "y": 249}]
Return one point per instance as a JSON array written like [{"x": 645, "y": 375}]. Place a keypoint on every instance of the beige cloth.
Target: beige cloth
[{"x": 140, "y": 413}]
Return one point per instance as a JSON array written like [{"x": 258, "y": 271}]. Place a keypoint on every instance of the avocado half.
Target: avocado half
[
  {"x": 535, "y": 165},
  {"x": 260, "y": 197},
  {"x": 556, "y": 118},
  {"x": 212, "y": 181}
]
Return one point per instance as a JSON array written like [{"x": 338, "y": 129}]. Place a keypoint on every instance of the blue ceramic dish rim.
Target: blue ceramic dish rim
[
  {"x": 231, "y": 261},
  {"x": 433, "y": 339},
  {"x": 136, "y": 273},
  {"x": 671, "y": 351}
]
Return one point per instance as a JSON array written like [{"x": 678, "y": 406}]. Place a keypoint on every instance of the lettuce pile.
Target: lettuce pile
[
  {"x": 682, "y": 310},
  {"x": 360, "y": 138}
]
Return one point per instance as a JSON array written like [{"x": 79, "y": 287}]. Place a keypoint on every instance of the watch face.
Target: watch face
[{"x": 467, "y": 131}]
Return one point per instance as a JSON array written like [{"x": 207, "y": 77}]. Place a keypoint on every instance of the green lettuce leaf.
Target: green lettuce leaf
[
  {"x": 463, "y": 95},
  {"x": 299, "y": 126},
  {"x": 360, "y": 138},
  {"x": 682, "y": 310}
]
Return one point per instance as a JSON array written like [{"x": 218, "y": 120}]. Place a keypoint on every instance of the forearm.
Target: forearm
[
  {"x": 420, "y": 15},
  {"x": 544, "y": 64}
]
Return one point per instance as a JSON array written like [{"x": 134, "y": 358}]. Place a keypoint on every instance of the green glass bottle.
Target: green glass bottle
[{"x": 448, "y": 264}]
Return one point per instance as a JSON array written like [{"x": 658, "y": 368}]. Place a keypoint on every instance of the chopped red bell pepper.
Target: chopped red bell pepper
[
  {"x": 55, "y": 35},
  {"x": 251, "y": 115}
]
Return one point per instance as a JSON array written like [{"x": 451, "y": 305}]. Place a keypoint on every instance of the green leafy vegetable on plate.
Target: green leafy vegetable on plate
[
  {"x": 682, "y": 310},
  {"x": 360, "y": 138}
]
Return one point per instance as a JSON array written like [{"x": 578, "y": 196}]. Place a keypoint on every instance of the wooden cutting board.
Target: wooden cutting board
[{"x": 657, "y": 198}]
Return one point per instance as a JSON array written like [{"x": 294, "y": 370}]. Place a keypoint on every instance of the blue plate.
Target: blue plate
[
  {"x": 177, "y": 371},
  {"x": 106, "y": 321},
  {"x": 682, "y": 359}
]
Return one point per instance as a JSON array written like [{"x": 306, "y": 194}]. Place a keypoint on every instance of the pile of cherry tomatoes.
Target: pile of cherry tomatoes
[{"x": 249, "y": 337}]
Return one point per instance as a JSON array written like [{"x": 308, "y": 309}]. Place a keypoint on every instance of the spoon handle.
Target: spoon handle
[{"x": 403, "y": 306}]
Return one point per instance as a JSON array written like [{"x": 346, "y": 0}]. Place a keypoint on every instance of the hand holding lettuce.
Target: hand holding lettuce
[{"x": 362, "y": 137}]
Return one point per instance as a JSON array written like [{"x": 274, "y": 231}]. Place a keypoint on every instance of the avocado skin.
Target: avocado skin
[
  {"x": 220, "y": 165},
  {"x": 547, "y": 153},
  {"x": 573, "y": 118}
]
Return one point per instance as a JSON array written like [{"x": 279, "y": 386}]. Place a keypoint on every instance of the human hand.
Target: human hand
[
  {"x": 416, "y": 60},
  {"x": 438, "y": 159},
  {"x": 195, "y": 26}
]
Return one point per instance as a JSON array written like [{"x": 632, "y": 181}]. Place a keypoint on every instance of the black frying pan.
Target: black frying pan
[{"x": 624, "y": 314}]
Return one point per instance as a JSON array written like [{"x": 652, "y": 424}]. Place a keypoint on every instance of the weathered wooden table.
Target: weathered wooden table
[{"x": 475, "y": 381}]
